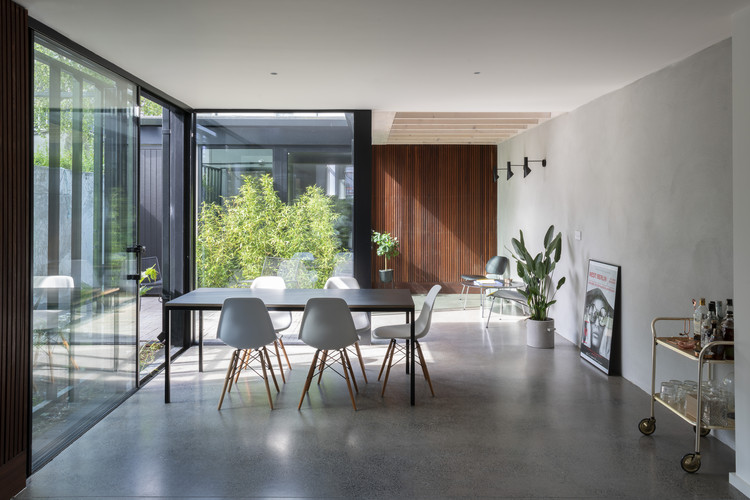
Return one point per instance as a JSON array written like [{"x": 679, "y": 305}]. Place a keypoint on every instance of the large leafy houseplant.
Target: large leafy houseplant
[{"x": 536, "y": 272}]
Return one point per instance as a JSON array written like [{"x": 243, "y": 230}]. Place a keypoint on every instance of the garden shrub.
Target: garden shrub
[{"x": 235, "y": 238}]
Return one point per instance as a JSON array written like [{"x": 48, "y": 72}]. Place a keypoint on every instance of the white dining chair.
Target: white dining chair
[
  {"x": 327, "y": 326},
  {"x": 244, "y": 324},
  {"x": 403, "y": 332},
  {"x": 361, "y": 319},
  {"x": 281, "y": 319},
  {"x": 49, "y": 319}
]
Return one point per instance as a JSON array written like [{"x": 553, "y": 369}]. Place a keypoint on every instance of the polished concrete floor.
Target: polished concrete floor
[{"x": 507, "y": 421}]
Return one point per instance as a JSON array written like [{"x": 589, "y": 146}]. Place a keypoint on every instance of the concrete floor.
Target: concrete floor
[{"x": 507, "y": 421}]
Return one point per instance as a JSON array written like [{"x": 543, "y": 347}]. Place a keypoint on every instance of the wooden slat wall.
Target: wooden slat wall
[
  {"x": 14, "y": 247},
  {"x": 441, "y": 203}
]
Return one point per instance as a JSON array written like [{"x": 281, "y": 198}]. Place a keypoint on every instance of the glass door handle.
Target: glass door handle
[{"x": 138, "y": 250}]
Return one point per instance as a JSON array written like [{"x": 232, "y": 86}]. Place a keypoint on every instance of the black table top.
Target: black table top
[{"x": 294, "y": 299}]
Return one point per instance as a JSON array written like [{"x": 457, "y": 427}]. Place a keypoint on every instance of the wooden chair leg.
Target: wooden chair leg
[
  {"x": 230, "y": 375},
  {"x": 351, "y": 371},
  {"x": 278, "y": 358},
  {"x": 309, "y": 378},
  {"x": 322, "y": 366},
  {"x": 388, "y": 371},
  {"x": 261, "y": 353},
  {"x": 361, "y": 361},
  {"x": 270, "y": 367},
  {"x": 423, "y": 364},
  {"x": 240, "y": 366},
  {"x": 385, "y": 359},
  {"x": 344, "y": 363},
  {"x": 67, "y": 348},
  {"x": 283, "y": 349}
]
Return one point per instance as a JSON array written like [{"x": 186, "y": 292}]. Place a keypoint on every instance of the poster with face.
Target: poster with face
[{"x": 599, "y": 314}]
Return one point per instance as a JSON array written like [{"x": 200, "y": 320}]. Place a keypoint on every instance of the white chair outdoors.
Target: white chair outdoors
[
  {"x": 285, "y": 268},
  {"x": 403, "y": 332},
  {"x": 281, "y": 319},
  {"x": 307, "y": 274},
  {"x": 50, "y": 322},
  {"x": 361, "y": 319},
  {"x": 327, "y": 326},
  {"x": 245, "y": 325},
  {"x": 344, "y": 264}
]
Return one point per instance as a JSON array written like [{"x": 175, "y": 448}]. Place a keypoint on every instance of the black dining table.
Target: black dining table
[{"x": 288, "y": 299}]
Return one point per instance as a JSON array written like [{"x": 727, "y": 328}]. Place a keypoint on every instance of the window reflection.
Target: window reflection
[{"x": 83, "y": 359}]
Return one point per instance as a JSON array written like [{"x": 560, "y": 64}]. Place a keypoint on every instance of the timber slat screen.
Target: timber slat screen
[
  {"x": 441, "y": 203},
  {"x": 15, "y": 280}
]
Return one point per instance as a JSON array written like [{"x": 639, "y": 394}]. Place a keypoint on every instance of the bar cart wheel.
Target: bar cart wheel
[
  {"x": 691, "y": 462},
  {"x": 647, "y": 426},
  {"x": 704, "y": 432}
]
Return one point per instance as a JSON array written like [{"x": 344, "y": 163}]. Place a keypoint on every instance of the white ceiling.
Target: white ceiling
[{"x": 390, "y": 55}]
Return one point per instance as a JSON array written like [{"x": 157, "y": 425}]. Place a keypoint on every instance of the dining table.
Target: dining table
[{"x": 288, "y": 299}]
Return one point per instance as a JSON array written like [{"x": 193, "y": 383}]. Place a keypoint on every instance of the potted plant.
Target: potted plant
[
  {"x": 386, "y": 246},
  {"x": 536, "y": 272}
]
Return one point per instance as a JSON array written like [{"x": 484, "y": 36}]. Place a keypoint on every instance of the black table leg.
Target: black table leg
[
  {"x": 166, "y": 326},
  {"x": 411, "y": 360},
  {"x": 200, "y": 340},
  {"x": 408, "y": 345}
]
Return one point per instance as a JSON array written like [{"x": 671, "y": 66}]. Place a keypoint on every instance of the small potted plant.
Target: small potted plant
[
  {"x": 386, "y": 246},
  {"x": 536, "y": 272}
]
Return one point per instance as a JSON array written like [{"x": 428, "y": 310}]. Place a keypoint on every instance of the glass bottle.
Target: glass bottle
[
  {"x": 727, "y": 330},
  {"x": 708, "y": 328},
  {"x": 719, "y": 311},
  {"x": 699, "y": 314}
]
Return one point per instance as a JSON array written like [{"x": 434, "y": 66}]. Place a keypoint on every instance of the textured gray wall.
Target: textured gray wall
[
  {"x": 741, "y": 200},
  {"x": 645, "y": 173}
]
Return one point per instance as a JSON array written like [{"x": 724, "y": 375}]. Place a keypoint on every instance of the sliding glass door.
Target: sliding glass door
[{"x": 84, "y": 262}]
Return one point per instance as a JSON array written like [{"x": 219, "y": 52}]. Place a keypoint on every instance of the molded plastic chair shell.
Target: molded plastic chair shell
[
  {"x": 54, "y": 281},
  {"x": 281, "y": 319},
  {"x": 496, "y": 265},
  {"x": 403, "y": 332},
  {"x": 245, "y": 324},
  {"x": 327, "y": 324},
  {"x": 421, "y": 326},
  {"x": 361, "y": 319}
]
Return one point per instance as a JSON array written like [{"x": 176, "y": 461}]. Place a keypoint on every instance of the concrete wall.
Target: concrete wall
[
  {"x": 741, "y": 201},
  {"x": 645, "y": 174},
  {"x": 43, "y": 230}
]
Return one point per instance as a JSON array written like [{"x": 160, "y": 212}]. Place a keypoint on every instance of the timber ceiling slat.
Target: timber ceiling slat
[{"x": 460, "y": 127}]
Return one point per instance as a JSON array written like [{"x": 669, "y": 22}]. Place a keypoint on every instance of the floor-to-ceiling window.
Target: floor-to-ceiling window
[
  {"x": 276, "y": 196},
  {"x": 84, "y": 209}
]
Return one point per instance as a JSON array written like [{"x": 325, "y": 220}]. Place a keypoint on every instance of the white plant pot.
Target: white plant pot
[{"x": 540, "y": 334}]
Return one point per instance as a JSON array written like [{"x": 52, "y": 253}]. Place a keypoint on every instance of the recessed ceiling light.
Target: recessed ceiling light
[
  {"x": 274, "y": 73},
  {"x": 477, "y": 72}
]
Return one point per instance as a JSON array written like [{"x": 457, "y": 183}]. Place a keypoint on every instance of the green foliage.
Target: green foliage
[
  {"x": 147, "y": 353},
  {"x": 69, "y": 86},
  {"x": 536, "y": 272},
  {"x": 235, "y": 238},
  {"x": 150, "y": 108},
  {"x": 149, "y": 276},
  {"x": 387, "y": 246}
]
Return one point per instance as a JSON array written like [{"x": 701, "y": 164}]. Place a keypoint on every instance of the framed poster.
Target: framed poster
[{"x": 599, "y": 314}]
